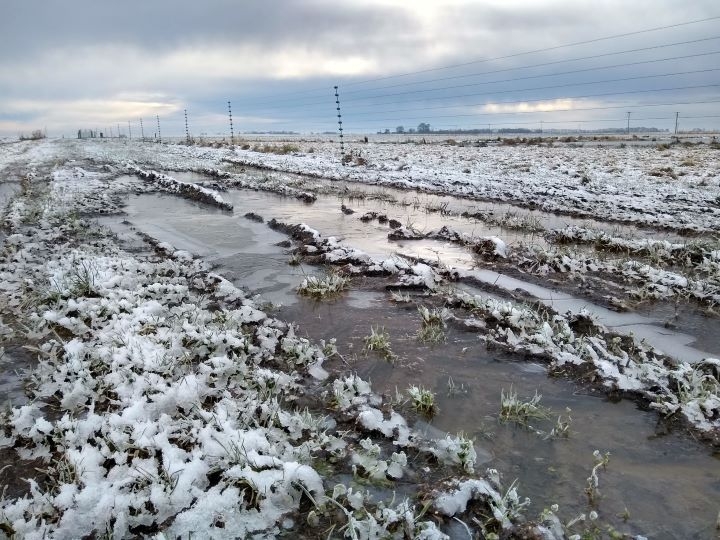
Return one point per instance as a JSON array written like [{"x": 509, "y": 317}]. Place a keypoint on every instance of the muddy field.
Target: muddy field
[{"x": 450, "y": 339}]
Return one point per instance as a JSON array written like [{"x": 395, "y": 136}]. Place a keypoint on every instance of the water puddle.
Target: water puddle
[
  {"x": 669, "y": 484},
  {"x": 457, "y": 205},
  {"x": 187, "y": 176},
  {"x": 247, "y": 249},
  {"x": 242, "y": 250},
  {"x": 670, "y": 342}
]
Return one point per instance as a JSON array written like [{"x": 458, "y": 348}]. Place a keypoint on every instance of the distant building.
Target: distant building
[{"x": 86, "y": 134}]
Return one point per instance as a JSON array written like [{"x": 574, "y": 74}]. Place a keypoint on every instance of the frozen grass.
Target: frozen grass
[
  {"x": 561, "y": 429},
  {"x": 513, "y": 409},
  {"x": 379, "y": 341},
  {"x": 432, "y": 327},
  {"x": 326, "y": 286},
  {"x": 423, "y": 400},
  {"x": 593, "y": 482}
]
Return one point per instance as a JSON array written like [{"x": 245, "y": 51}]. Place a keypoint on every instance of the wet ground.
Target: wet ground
[
  {"x": 413, "y": 200},
  {"x": 669, "y": 484}
]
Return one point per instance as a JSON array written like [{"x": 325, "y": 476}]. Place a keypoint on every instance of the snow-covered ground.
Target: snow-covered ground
[{"x": 166, "y": 401}]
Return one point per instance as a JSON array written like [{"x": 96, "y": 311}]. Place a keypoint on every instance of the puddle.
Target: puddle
[
  {"x": 371, "y": 237},
  {"x": 687, "y": 318},
  {"x": 459, "y": 205},
  {"x": 669, "y": 484},
  {"x": 242, "y": 250},
  {"x": 672, "y": 343},
  {"x": 246, "y": 249}
]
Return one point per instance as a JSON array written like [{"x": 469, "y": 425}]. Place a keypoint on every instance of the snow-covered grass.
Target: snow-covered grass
[
  {"x": 574, "y": 342},
  {"x": 379, "y": 341},
  {"x": 614, "y": 183},
  {"x": 519, "y": 411},
  {"x": 432, "y": 324},
  {"x": 422, "y": 400},
  {"x": 175, "y": 401},
  {"x": 325, "y": 286}
]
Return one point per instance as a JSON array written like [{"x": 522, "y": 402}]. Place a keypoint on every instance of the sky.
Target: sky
[{"x": 89, "y": 64}]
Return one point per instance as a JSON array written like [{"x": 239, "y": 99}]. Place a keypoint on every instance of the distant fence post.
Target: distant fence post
[
  {"x": 232, "y": 133},
  {"x": 187, "y": 131},
  {"x": 129, "y": 130},
  {"x": 339, "y": 116},
  {"x": 157, "y": 116}
]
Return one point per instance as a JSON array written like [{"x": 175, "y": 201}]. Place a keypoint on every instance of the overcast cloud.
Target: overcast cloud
[{"x": 76, "y": 64}]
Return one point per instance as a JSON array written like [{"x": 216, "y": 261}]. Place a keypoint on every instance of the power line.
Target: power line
[
  {"x": 586, "y": 121},
  {"x": 510, "y": 113},
  {"x": 623, "y": 79},
  {"x": 545, "y": 49},
  {"x": 515, "y": 55},
  {"x": 354, "y": 113},
  {"x": 591, "y": 57},
  {"x": 584, "y": 70},
  {"x": 470, "y": 95}
]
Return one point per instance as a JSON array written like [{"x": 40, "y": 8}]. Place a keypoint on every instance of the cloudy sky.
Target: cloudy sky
[{"x": 73, "y": 64}]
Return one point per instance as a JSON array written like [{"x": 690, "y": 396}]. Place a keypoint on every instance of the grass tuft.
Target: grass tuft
[
  {"x": 323, "y": 287},
  {"x": 379, "y": 341},
  {"x": 423, "y": 400},
  {"x": 513, "y": 409}
]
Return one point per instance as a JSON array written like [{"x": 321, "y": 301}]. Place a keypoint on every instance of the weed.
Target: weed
[
  {"x": 592, "y": 491},
  {"x": 432, "y": 329},
  {"x": 81, "y": 279},
  {"x": 379, "y": 340},
  {"x": 323, "y": 287},
  {"x": 399, "y": 296},
  {"x": 697, "y": 385},
  {"x": 561, "y": 429},
  {"x": 513, "y": 409},
  {"x": 455, "y": 390},
  {"x": 423, "y": 400}
]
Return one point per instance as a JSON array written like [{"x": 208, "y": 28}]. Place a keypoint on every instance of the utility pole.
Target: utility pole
[
  {"x": 129, "y": 130},
  {"x": 628, "y": 123},
  {"x": 339, "y": 115},
  {"x": 142, "y": 131},
  {"x": 157, "y": 116},
  {"x": 118, "y": 126},
  {"x": 232, "y": 133},
  {"x": 676, "y": 122},
  {"x": 187, "y": 132}
]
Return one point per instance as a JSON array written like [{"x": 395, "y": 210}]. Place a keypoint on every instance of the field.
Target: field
[{"x": 418, "y": 338}]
